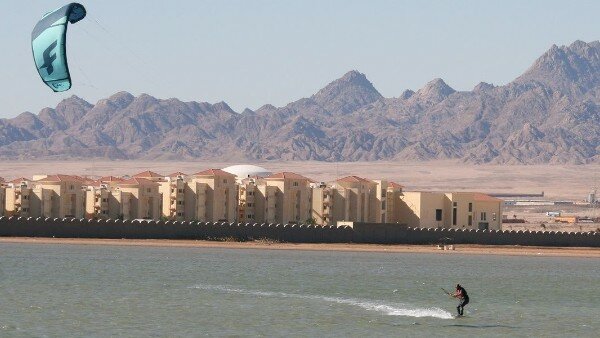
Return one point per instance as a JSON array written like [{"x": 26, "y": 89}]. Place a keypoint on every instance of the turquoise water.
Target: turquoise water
[{"x": 69, "y": 290}]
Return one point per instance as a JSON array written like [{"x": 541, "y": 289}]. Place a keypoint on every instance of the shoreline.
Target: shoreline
[{"x": 469, "y": 249}]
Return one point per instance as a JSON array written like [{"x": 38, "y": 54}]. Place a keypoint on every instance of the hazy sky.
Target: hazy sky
[{"x": 248, "y": 53}]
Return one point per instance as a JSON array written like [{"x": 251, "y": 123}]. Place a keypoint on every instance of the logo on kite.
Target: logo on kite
[
  {"x": 49, "y": 58},
  {"x": 48, "y": 45}
]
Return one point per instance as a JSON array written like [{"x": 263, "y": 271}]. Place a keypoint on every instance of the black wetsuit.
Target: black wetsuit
[{"x": 464, "y": 300}]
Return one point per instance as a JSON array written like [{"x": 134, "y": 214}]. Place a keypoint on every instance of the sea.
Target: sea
[{"x": 135, "y": 291}]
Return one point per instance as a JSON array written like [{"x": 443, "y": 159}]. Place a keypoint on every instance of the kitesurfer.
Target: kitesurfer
[{"x": 462, "y": 295}]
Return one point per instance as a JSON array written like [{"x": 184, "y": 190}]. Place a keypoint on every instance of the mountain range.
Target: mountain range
[{"x": 549, "y": 114}]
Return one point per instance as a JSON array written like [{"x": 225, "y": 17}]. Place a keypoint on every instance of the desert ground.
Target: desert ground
[{"x": 558, "y": 182}]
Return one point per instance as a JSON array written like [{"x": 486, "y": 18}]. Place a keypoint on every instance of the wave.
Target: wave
[{"x": 369, "y": 305}]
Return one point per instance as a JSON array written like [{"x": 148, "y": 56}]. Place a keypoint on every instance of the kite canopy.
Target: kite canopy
[{"x": 48, "y": 41}]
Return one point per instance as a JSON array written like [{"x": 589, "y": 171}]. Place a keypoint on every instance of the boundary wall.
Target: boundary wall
[{"x": 375, "y": 233}]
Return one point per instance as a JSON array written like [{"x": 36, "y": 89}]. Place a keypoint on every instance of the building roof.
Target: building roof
[
  {"x": 137, "y": 181},
  {"x": 353, "y": 179},
  {"x": 396, "y": 185},
  {"x": 110, "y": 179},
  {"x": 213, "y": 172},
  {"x": 485, "y": 198},
  {"x": 287, "y": 175},
  {"x": 19, "y": 180},
  {"x": 1, "y": 179},
  {"x": 148, "y": 174},
  {"x": 61, "y": 178},
  {"x": 247, "y": 170}
]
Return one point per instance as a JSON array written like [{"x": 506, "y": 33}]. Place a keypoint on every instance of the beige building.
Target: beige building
[
  {"x": 450, "y": 210},
  {"x": 215, "y": 195},
  {"x": 211, "y": 196},
  {"x": 173, "y": 191},
  {"x": 150, "y": 176},
  {"x": 140, "y": 199},
  {"x": 393, "y": 200},
  {"x": 57, "y": 196},
  {"x": 103, "y": 201},
  {"x": 2, "y": 197},
  {"x": 291, "y": 199},
  {"x": 256, "y": 201},
  {"x": 354, "y": 199},
  {"x": 323, "y": 203},
  {"x": 17, "y": 194}
]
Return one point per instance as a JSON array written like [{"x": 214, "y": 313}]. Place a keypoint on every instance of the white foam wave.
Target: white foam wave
[{"x": 369, "y": 305}]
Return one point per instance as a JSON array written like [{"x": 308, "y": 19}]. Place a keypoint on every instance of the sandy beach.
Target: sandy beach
[{"x": 350, "y": 247}]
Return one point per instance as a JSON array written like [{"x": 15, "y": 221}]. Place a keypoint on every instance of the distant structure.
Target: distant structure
[
  {"x": 243, "y": 171},
  {"x": 592, "y": 197},
  {"x": 245, "y": 193}
]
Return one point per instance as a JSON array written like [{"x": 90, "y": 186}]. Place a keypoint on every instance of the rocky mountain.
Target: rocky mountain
[{"x": 549, "y": 114}]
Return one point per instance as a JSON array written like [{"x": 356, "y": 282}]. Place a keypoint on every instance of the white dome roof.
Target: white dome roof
[{"x": 245, "y": 170}]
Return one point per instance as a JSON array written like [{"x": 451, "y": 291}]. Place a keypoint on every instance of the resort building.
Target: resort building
[
  {"x": 57, "y": 196},
  {"x": 212, "y": 195},
  {"x": 323, "y": 203},
  {"x": 173, "y": 191},
  {"x": 16, "y": 198},
  {"x": 103, "y": 201},
  {"x": 150, "y": 176},
  {"x": 241, "y": 194},
  {"x": 110, "y": 181},
  {"x": 290, "y": 200},
  {"x": 140, "y": 198},
  {"x": 2, "y": 198},
  {"x": 355, "y": 195},
  {"x": 450, "y": 210}
]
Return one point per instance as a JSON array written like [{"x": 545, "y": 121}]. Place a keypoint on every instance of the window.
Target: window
[
  {"x": 295, "y": 184},
  {"x": 172, "y": 190},
  {"x": 470, "y": 220},
  {"x": 438, "y": 214},
  {"x": 250, "y": 193},
  {"x": 180, "y": 202},
  {"x": 249, "y": 204},
  {"x": 382, "y": 193},
  {"x": 470, "y": 207},
  {"x": 72, "y": 187},
  {"x": 225, "y": 181},
  {"x": 149, "y": 190},
  {"x": 180, "y": 214},
  {"x": 483, "y": 216},
  {"x": 493, "y": 216},
  {"x": 454, "y": 215},
  {"x": 179, "y": 190},
  {"x": 25, "y": 197},
  {"x": 383, "y": 205},
  {"x": 454, "y": 204}
]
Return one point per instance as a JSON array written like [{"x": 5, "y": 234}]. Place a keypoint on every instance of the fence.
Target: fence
[{"x": 377, "y": 233}]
